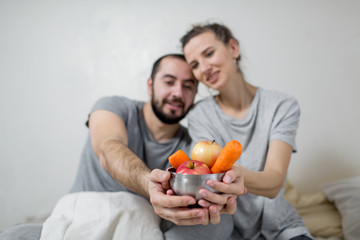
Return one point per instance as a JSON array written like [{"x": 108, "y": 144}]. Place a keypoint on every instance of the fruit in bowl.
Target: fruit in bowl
[
  {"x": 188, "y": 176},
  {"x": 193, "y": 167},
  {"x": 206, "y": 151}
]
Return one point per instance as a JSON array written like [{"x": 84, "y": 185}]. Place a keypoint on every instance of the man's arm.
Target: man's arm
[{"x": 109, "y": 140}]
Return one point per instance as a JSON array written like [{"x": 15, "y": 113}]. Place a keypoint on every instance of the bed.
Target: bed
[{"x": 332, "y": 213}]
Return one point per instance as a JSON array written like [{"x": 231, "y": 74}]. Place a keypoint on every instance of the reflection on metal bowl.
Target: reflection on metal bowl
[{"x": 187, "y": 184}]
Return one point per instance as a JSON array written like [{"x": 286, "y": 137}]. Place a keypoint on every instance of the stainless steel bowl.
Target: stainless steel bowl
[{"x": 187, "y": 184}]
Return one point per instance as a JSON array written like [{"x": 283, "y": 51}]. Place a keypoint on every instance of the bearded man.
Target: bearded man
[{"x": 128, "y": 146}]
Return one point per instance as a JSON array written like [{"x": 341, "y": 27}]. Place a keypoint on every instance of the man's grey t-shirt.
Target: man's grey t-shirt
[
  {"x": 92, "y": 177},
  {"x": 271, "y": 116}
]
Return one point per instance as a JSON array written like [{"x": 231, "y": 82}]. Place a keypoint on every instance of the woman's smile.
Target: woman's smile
[{"x": 213, "y": 77}]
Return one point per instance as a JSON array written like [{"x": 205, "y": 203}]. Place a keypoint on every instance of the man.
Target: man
[{"x": 129, "y": 138}]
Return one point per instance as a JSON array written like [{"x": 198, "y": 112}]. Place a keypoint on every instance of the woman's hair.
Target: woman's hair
[{"x": 221, "y": 32}]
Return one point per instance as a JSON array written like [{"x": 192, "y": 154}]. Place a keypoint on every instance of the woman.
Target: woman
[{"x": 264, "y": 122}]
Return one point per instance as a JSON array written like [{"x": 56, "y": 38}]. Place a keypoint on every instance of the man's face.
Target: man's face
[{"x": 173, "y": 90}]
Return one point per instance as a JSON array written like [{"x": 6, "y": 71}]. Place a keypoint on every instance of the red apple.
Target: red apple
[
  {"x": 206, "y": 151},
  {"x": 193, "y": 167}
]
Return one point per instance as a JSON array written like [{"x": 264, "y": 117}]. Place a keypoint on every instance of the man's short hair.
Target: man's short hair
[{"x": 157, "y": 63}]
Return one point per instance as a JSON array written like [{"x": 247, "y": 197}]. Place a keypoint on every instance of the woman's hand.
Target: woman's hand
[
  {"x": 171, "y": 207},
  {"x": 231, "y": 186},
  {"x": 232, "y": 182}
]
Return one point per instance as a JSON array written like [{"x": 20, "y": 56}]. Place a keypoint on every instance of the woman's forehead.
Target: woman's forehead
[{"x": 199, "y": 44}]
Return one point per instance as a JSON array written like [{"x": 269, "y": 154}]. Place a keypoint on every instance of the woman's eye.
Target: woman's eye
[
  {"x": 209, "y": 54},
  {"x": 194, "y": 66}
]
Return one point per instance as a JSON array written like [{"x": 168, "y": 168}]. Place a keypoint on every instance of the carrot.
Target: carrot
[
  {"x": 178, "y": 158},
  {"x": 227, "y": 157}
]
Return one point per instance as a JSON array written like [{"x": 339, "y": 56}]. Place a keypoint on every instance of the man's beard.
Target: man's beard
[{"x": 156, "y": 106}]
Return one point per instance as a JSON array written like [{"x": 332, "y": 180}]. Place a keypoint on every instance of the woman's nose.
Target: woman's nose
[{"x": 205, "y": 68}]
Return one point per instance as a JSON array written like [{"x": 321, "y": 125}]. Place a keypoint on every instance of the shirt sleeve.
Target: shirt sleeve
[
  {"x": 286, "y": 121},
  {"x": 118, "y": 105}
]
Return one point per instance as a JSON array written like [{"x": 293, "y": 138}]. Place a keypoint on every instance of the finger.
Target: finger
[
  {"x": 232, "y": 183},
  {"x": 235, "y": 188},
  {"x": 212, "y": 197},
  {"x": 158, "y": 175},
  {"x": 159, "y": 198},
  {"x": 235, "y": 172},
  {"x": 185, "y": 216},
  {"x": 170, "y": 192},
  {"x": 230, "y": 207},
  {"x": 206, "y": 218},
  {"x": 165, "y": 185},
  {"x": 190, "y": 222},
  {"x": 204, "y": 203},
  {"x": 218, "y": 186},
  {"x": 214, "y": 213},
  {"x": 171, "y": 201}
]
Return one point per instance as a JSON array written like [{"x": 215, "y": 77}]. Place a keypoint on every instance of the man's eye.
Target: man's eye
[
  {"x": 170, "y": 83},
  {"x": 191, "y": 87}
]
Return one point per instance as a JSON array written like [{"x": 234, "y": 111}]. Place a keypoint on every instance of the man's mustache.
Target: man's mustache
[{"x": 174, "y": 101}]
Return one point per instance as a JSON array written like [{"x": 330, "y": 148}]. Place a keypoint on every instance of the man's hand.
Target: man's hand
[{"x": 171, "y": 207}]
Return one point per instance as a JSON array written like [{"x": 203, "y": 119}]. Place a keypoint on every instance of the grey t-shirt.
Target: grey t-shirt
[
  {"x": 272, "y": 115},
  {"x": 92, "y": 177}
]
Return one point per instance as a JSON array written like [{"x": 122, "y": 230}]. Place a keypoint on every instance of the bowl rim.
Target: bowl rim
[{"x": 173, "y": 173}]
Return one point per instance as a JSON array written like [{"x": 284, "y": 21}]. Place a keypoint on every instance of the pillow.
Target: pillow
[
  {"x": 345, "y": 194},
  {"x": 320, "y": 216}
]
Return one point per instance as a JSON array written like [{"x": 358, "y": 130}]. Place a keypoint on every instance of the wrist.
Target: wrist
[{"x": 145, "y": 183}]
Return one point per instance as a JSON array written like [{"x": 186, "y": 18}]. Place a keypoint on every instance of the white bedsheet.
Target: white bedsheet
[{"x": 102, "y": 216}]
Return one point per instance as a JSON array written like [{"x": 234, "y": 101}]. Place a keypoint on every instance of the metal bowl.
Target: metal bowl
[{"x": 187, "y": 184}]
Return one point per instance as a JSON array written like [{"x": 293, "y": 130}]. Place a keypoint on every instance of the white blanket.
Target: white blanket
[{"x": 102, "y": 216}]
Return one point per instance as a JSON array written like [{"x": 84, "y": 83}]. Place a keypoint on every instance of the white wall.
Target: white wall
[{"x": 58, "y": 57}]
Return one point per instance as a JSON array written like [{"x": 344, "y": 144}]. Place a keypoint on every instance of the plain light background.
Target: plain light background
[{"x": 58, "y": 57}]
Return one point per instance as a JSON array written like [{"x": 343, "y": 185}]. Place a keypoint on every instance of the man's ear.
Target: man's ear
[
  {"x": 149, "y": 86},
  {"x": 234, "y": 46}
]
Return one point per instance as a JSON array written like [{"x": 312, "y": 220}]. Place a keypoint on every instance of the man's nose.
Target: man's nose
[{"x": 177, "y": 90}]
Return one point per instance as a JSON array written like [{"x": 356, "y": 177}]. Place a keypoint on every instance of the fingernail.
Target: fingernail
[
  {"x": 231, "y": 200},
  {"x": 203, "y": 194},
  {"x": 204, "y": 205},
  {"x": 192, "y": 201},
  {"x": 199, "y": 214},
  {"x": 227, "y": 179},
  {"x": 163, "y": 176},
  {"x": 211, "y": 184}
]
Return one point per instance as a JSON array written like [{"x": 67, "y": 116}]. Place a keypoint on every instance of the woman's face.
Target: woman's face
[{"x": 211, "y": 61}]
